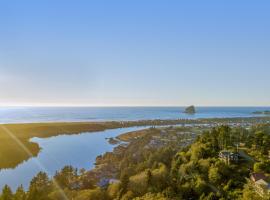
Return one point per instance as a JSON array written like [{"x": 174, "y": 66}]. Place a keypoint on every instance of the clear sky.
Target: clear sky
[{"x": 136, "y": 52}]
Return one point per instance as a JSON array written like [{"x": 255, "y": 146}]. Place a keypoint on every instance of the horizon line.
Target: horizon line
[{"x": 116, "y": 105}]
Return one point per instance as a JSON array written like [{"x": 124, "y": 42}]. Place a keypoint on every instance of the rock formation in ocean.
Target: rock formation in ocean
[{"x": 190, "y": 110}]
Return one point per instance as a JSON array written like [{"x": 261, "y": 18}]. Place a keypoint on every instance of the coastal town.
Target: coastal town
[
  {"x": 233, "y": 155},
  {"x": 213, "y": 155}
]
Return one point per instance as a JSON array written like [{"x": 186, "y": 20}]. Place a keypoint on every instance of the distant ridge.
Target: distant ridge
[{"x": 266, "y": 112}]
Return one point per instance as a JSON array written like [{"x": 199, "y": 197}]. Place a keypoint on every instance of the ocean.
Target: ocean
[
  {"x": 81, "y": 150},
  {"x": 75, "y": 114}
]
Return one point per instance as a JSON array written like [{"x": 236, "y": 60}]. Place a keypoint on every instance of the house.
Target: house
[
  {"x": 155, "y": 144},
  {"x": 112, "y": 181},
  {"x": 260, "y": 184},
  {"x": 104, "y": 182},
  {"x": 228, "y": 156},
  {"x": 257, "y": 176}
]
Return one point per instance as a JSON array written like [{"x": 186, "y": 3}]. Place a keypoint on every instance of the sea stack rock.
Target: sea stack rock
[{"x": 190, "y": 110}]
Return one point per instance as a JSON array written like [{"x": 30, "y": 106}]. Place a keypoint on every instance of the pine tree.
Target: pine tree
[
  {"x": 20, "y": 194},
  {"x": 6, "y": 193},
  {"x": 40, "y": 187}
]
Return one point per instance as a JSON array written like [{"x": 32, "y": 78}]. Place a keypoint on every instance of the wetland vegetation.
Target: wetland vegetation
[
  {"x": 16, "y": 146},
  {"x": 166, "y": 163}
]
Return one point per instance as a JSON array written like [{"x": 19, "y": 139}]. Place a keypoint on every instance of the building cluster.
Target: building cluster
[{"x": 166, "y": 137}]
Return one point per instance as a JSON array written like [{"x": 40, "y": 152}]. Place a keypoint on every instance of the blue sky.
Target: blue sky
[{"x": 210, "y": 53}]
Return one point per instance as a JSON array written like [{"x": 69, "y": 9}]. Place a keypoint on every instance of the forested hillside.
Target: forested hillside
[{"x": 167, "y": 164}]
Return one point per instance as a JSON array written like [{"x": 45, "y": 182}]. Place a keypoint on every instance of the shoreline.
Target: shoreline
[
  {"x": 131, "y": 121},
  {"x": 16, "y": 147}
]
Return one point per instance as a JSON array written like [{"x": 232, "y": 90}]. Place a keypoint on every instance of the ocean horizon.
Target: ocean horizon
[{"x": 24, "y": 114}]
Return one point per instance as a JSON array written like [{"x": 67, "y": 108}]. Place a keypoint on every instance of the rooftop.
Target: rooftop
[{"x": 258, "y": 176}]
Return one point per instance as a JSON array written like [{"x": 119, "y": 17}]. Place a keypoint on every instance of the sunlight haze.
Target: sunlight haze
[{"x": 134, "y": 53}]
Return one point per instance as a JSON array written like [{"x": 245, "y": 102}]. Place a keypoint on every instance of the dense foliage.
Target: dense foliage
[
  {"x": 166, "y": 173},
  {"x": 15, "y": 138}
]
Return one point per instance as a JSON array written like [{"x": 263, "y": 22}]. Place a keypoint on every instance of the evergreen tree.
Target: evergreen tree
[
  {"x": 149, "y": 177},
  {"x": 40, "y": 187},
  {"x": 6, "y": 193},
  {"x": 66, "y": 177},
  {"x": 124, "y": 184},
  {"x": 20, "y": 194}
]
